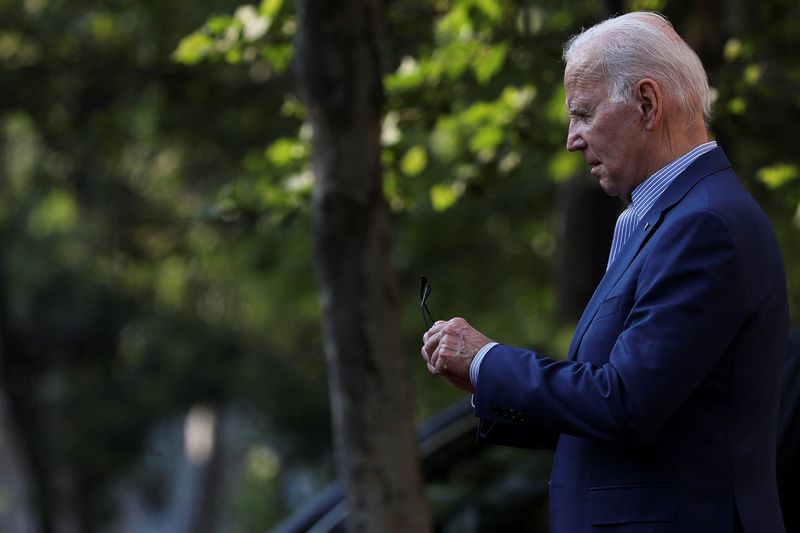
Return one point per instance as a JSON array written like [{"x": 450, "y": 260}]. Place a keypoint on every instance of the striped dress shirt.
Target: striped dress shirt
[{"x": 645, "y": 195}]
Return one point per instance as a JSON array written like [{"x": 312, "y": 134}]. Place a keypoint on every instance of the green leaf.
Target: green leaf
[
  {"x": 489, "y": 61},
  {"x": 193, "y": 48},
  {"x": 279, "y": 56},
  {"x": 286, "y": 151},
  {"x": 103, "y": 27},
  {"x": 490, "y": 8},
  {"x": 455, "y": 58},
  {"x": 737, "y": 106},
  {"x": 219, "y": 24},
  {"x": 454, "y": 26},
  {"x": 414, "y": 161},
  {"x": 486, "y": 137},
  {"x": 564, "y": 165},
  {"x": 732, "y": 49},
  {"x": 56, "y": 213},
  {"x": 233, "y": 56},
  {"x": 409, "y": 75},
  {"x": 519, "y": 98},
  {"x": 270, "y": 8},
  {"x": 445, "y": 140},
  {"x": 648, "y": 5},
  {"x": 752, "y": 74},
  {"x": 777, "y": 175},
  {"x": 170, "y": 281},
  {"x": 444, "y": 196}
]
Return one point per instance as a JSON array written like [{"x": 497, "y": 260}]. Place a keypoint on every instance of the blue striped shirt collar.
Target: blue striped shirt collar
[{"x": 646, "y": 193}]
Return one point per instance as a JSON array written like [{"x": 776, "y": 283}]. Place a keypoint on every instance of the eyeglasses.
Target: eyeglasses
[{"x": 425, "y": 291}]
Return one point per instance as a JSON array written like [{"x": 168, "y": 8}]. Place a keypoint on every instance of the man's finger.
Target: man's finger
[
  {"x": 436, "y": 328},
  {"x": 432, "y": 342},
  {"x": 434, "y": 356}
]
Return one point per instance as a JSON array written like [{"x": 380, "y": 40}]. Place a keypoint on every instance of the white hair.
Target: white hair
[{"x": 642, "y": 45}]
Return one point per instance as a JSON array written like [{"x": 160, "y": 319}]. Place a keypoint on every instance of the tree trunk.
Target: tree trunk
[
  {"x": 585, "y": 218},
  {"x": 16, "y": 513},
  {"x": 340, "y": 79},
  {"x": 26, "y": 497}
]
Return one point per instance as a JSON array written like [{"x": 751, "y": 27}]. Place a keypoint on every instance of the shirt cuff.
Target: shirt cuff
[{"x": 475, "y": 366}]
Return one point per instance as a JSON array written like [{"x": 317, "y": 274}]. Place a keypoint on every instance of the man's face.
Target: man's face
[{"x": 610, "y": 135}]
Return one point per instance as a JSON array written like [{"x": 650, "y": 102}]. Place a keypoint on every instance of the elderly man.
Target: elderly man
[{"x": 663, "y": 414}]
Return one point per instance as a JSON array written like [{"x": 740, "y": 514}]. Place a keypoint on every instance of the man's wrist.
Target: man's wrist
[{"x": 475, "y": 366}]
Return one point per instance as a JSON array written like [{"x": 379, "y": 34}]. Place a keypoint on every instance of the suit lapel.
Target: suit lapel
[{"x": 703, "y": 166}]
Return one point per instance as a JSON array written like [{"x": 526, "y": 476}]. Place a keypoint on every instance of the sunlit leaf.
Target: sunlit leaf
[
  {"x": 193, "y": 48},
  {"x": 737, "y": 106},
  {"x": 445, "y": 141},
  {"x": 489, "y": 62},
  {"x": 732, "y": 49},
  {"x": 233, "y": 56},
  {"x": 254, "y": 25},
  {"x": 518, "y": 98},
  {"x": 103, "y": 27},
  {"x": 219, "y": 24},
  {"x": 285, "y": 151},
  {"x": 486, "y": 137},
  {"x": 279, "y": 56},
  {"x": 490, "y": 8},
  {"x": 444, "y": 196},
  {"x": 293, "y": 107},
  {"x": 556, "y": 108},
  {"x": 57, "y": 212},
  {"x": 509, "y": 162},
  {"x": 455, "y": 25},
  {"x": 752, "y": 74},
  {"x": 648, "y": 5},
  {"x": 414, "y": 161},
  {"x": 777, "y": 175},
  {"x": 454, "y": 59},
  {"x": 170, "y": 282},
  {"x": 270, "y": 8},
  {"x": 564, "y": 165}
]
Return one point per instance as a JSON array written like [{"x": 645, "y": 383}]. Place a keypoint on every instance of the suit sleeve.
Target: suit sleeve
[{"x": 687, "y": 308}]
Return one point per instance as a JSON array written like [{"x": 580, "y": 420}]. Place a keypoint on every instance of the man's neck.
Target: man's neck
[{"x": 673, "y": 142}]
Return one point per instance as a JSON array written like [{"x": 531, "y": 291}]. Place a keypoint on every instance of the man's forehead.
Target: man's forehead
[
  {"x": 584, "y": 65},
  {"x": 581, "y": 82}
]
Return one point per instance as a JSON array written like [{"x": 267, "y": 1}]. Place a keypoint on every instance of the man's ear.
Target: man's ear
[{"x": 649, "y": 102}]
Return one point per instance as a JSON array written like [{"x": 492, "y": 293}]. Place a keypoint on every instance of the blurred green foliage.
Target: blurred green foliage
[{"x": 154, "y": 234}]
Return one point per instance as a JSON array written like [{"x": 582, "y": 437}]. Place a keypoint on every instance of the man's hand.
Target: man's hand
[{"x": 449, "y": 348}]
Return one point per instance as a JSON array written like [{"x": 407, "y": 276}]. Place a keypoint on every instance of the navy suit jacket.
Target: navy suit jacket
[{"x": 663, "y": 415}]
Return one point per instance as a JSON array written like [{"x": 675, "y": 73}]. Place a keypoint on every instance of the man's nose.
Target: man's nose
[{"x": 575, "y": 142}]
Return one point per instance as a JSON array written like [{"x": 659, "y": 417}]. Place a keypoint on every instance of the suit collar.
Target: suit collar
[{"x": 708, "y": 163}]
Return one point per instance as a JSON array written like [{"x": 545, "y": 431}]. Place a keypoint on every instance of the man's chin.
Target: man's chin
[{"x": 607, "y": 186}]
